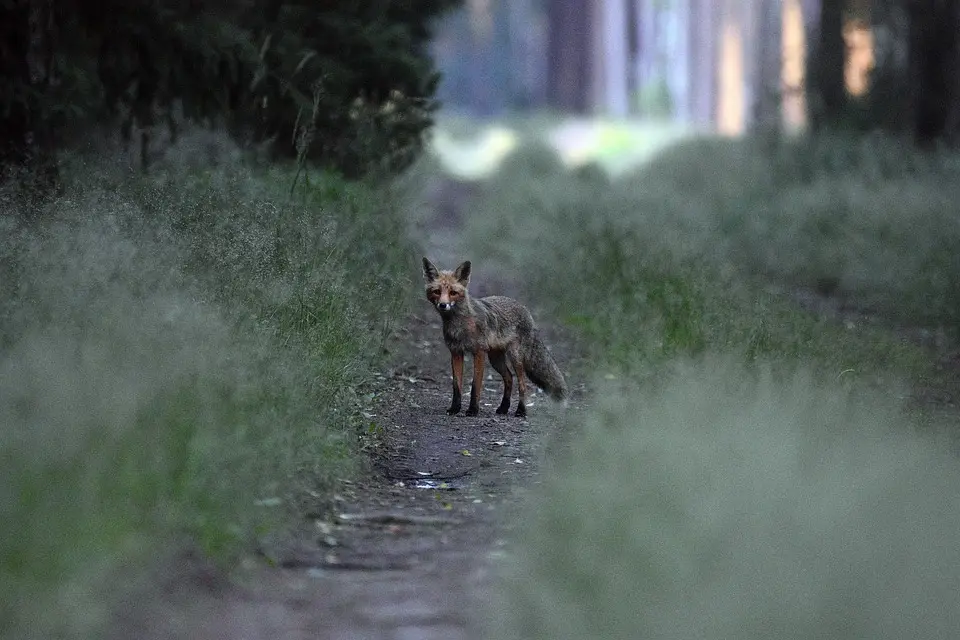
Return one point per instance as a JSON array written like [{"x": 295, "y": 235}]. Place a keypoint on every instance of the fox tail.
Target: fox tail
[{"x": 542, "y": 369}]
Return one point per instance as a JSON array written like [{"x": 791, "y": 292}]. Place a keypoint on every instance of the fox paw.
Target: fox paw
[
  {"x": 454, "y": 410},
  {"x": 472, "y": 411},
  {"x": 503, "y": 409},
  {"x": 521, "y": 412}
]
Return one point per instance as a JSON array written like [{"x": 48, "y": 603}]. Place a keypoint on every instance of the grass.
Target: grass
[
  {"x": 743, "y": 467},
  {"x": 726, "y": 503},
  {"x": 179, "y": 355},
  {"x": 702, "y": 248},
  {"x": 667, "y": 261}
]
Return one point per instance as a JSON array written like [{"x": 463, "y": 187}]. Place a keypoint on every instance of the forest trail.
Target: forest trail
[{"x": 409, "y": 553}]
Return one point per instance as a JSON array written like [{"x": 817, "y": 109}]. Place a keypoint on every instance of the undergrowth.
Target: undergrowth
[
  {"x": 722, "y": 502},
  {"x": 179, "y": 354},
  {"x": 743, "y": 466},
  {"x": 695, "y": 250}
]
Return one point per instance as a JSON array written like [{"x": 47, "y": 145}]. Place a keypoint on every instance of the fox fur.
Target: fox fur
[{"x": 496, "y": 328}]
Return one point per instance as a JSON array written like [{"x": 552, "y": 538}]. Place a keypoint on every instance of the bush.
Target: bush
[
  {"x": 180, "y": 355},
  {"x": 349, "y": 85}
]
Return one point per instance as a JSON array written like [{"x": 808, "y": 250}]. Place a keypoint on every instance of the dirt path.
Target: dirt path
[{"x": 409, "y": 553}]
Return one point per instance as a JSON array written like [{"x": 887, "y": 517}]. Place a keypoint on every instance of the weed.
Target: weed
[{"x": 177, "y": 353}]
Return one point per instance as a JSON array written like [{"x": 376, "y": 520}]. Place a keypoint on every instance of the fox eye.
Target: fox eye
[
  {"x": 454, "y": 294},
  {"x": 434, "y": 292}
]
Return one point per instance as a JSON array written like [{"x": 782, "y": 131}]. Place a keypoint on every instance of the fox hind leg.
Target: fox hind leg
[
  {"x": 499, "y": 362},
  {"x": 513, "y": 353}
]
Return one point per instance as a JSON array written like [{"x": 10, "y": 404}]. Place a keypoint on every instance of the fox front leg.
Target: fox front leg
[
  {"x": 477, "y": 387},
  {"x": 456, "y": 361}
]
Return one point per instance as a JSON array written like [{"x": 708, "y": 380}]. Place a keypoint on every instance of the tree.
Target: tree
[
  {"x": 828, "y": 94},
  {"x": 568, "y": 51},
  {"x": 934, "y": 35},
  {"x": 348, "y": 84}
]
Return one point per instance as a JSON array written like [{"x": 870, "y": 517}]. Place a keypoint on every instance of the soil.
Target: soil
[{"x": 410, "y": 553}]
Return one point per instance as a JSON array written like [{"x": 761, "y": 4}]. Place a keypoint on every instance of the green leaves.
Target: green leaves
[{"x": 266, "y": 69}]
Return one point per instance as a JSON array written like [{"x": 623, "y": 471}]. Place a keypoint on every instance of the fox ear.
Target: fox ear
[
  {"x": 462, "y": 274},
  {"x": 430, "y": 272}
]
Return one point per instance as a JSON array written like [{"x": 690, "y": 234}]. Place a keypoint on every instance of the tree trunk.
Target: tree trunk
[
  {"x": 26, "y": 61},
  {"x": 767, "y": 95},
  {"x": 829, "y": 96},
  {"x": 615, "y": 54},
  {"x": 568, "y": 49},
  {"x": 934, "y": 56},
  {"x": 703, "y": 74}
]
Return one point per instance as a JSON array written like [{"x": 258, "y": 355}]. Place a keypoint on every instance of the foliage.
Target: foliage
[
  {"x": 359, "y": 77},
  {"x": 913, "y": 89},
  {"x": 180, "y": 355},
  {"x": 352, "y": 81},
  {"x": 683, "y": 256},
  {"x": 720, "y": 501},
  {"x": 743, "y": 466}
]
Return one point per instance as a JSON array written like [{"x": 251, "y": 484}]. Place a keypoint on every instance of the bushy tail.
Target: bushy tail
[{"x": 542, "y": 369}]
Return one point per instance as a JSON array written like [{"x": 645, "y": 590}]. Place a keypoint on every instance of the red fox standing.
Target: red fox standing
[{"x": 497, "y": 326}]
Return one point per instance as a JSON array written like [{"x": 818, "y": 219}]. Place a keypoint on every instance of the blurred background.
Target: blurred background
[
  {"x": 718, "y": 66},
  {"x": 724, "y": 65}
]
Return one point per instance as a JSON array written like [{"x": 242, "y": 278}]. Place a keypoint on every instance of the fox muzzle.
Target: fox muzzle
[{"x": 445, "y": 307}]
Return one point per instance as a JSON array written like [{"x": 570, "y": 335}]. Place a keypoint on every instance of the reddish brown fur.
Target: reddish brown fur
[{"x": 493, "y": 328}]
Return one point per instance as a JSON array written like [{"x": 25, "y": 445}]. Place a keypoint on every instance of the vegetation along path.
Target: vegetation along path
[{"x": 410, "y": 552}]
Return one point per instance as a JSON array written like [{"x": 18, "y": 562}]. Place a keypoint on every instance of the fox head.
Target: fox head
[{"x": 446, "y": 289}]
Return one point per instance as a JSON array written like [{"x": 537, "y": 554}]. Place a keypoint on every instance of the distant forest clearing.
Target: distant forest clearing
[{"x": 473, "y": 151}]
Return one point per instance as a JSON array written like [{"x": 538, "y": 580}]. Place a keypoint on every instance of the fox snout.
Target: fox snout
[{"x": 446, "y": 288}]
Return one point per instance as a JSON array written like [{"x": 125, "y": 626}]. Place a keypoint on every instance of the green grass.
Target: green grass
[
  {"x": 671, "y": 260},
  {"x": 178, "y": 357},
  {"x": 722, "y": 502},
  {"x": 868, "y": 218},
  {"x": 742, "y": 468}
]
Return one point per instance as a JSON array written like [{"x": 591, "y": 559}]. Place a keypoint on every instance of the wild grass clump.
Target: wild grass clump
[
  {"x": 650, "y": 267},
  {"x": 867, "y": 218},
  {"x": 728, "y": 502},
  {"x": 745, "y": 468},
  {"x": 179, "y": 356}
]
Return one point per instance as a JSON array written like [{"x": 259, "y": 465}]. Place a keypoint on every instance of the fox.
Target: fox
[{"x": 497, "y": 328}]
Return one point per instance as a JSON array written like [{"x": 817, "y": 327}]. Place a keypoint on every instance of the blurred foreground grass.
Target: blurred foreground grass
[
  {"x": 744, "y": 466},
  {"x": 179, "y": 355},
  {"x": 725, "y": 503}
]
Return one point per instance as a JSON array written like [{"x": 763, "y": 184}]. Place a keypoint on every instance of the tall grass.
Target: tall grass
[
  {"x": 745, "y": 468},
  {"x": 724, "y": 503},
  {"x": 688, "y": 254},
  {"x": 867, "y": 219},
  {"x": 179, "y": 355}
]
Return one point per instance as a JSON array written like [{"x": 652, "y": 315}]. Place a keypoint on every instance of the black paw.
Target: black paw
[
  {"x": 503, "y": 409},
  {"x": 472, "y": 411},
  {"x": 521, "y": 412},
  {"x": 454, "y": 410}
]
